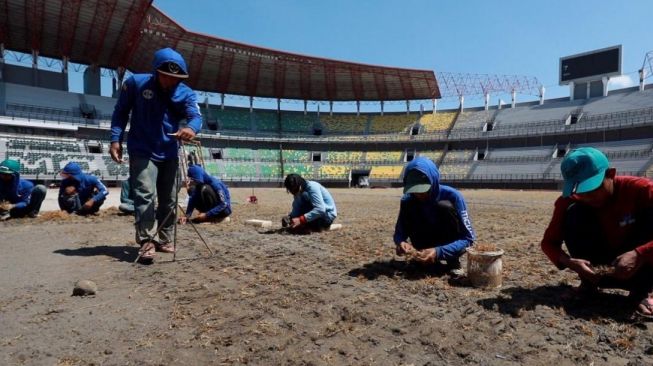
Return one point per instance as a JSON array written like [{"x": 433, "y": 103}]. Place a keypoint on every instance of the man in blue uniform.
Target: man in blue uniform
[
  {"x": 18, "y": 197},
  {"x": 433, "y": 223},
  {"x": 157, "y": 102},
  {"x": 80, "y": 193},
  {"x": 209, "y": 195}
]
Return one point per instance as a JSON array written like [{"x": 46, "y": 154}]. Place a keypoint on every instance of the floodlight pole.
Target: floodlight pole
[{"x": 542, "y": 94}]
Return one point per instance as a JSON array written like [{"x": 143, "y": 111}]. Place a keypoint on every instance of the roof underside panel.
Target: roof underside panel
[{"x": 113, "y": 33}]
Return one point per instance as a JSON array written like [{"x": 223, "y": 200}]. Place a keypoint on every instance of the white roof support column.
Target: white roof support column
[
  {"x": 222, "y": 101},
  {"x": 572, "y": 86},
  {"x": 407, "y": 107},
  {"x": 542, "y": 90},
  {"x": 251, "y": 104},
  {"x": 278, "y": 105},
  {"x": 461, "y": 98},
  {"x": 435, "y": 105},
  {"x": 330, "y": 108},
  {"x": 486, "y": 106},
  {"x": 642, "y": 74},
  {"x": 381, "y": 107},
  {"x": 605, "y": 81},
  {"x": 305, "y": 106},
  {"x": 35, "y": 59},
  {"x": 358, "y": 108},
  {"x": 514, "y": 98}
]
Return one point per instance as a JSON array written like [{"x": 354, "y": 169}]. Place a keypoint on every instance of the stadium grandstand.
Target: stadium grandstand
[{"x": 44, "y": 125}]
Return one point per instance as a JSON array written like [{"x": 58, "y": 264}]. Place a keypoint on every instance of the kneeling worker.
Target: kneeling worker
[
  {"x": 433, "y": 223},
  {"x": 80, "y": 193},
  {"x": 313, "y": 207},
  {"x": 18, "y": 197},
  {"x": 208, "y": 195}
]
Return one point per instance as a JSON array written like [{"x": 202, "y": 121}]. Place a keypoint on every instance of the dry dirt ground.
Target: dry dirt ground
[{"x": 268, "y": 298}]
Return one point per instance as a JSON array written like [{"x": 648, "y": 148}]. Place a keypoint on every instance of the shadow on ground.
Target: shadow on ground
[
  {"x": 585, "y": 306},
  {"x": 121, "y": 253},
  {"x": 394, "y": 268}
]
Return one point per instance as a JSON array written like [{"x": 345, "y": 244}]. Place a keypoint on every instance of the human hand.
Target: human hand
[
  {"x": 425, "y": 256},
  {"x": 88, "y": 204},
  {"x": 116, "y": 152},
  {"x": 185, "y": 134},
  {"x": 295, "y": 222},
  {"x": 584, "y": 269},
  {"x": 6, "y": 206},
  {"x": 182, "y": 220},
  {"x": 404, "y": 247},
  {"x": 627, "y": 264}
]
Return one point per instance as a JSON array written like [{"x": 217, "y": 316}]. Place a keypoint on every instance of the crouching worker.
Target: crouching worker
[
  {"x": 313, "y": 208},
  {"x": 606, "y": 223},
  {"x": 433, "y": 224},
  {"x": 18, "y": 197},
  {"x": 208, "y": 195},
  {"x": 80, "y": 193}
]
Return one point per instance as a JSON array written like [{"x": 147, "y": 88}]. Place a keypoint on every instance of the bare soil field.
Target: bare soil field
[{"x": 330, "y": 298}]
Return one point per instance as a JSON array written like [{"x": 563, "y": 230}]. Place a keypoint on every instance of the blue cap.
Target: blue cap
[{"x": 583, "y": 170}]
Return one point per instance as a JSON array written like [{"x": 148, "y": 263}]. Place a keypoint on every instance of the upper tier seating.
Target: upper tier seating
[
  {"x": 344, "y": 123},
  {"x": 392, "y": 123},
  {"x": 438, "y": 122},
  {"x": 298, "y": 122}
]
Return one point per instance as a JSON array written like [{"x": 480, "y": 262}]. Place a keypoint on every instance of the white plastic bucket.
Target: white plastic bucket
[{"x": 484, "y": 269}]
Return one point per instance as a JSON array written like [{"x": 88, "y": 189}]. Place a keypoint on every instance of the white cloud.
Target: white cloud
[{"x": 622, "y": 81}]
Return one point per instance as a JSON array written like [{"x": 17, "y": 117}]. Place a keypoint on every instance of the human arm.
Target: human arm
[
  {"x": 466, "y": 236},
  {"x": 102, "y": 191},
  {"x": 24, "y": 194},
  {"x": 121, "y": 111}
]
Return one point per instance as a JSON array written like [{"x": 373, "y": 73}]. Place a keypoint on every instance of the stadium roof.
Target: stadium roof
[{"x": 113, "y": 33}]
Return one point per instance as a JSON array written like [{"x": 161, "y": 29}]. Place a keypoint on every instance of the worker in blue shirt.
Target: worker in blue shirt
[
  {"x": 433, "y": 223},
  {"x": 157, "y": 102}
]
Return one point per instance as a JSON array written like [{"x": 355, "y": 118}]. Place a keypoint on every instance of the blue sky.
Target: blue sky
[
  {"x": 466, "y": 36},
  {"x": 471, "y": 36}
]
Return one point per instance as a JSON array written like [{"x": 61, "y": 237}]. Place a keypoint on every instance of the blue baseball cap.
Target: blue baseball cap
[{"x": 583, "y": 170}]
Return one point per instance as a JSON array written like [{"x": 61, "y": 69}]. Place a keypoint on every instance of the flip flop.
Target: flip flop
[
  {"x": 165, "y": 247},
  {"x": 147, "y": 252},
  {"x": 648, "y": 304}
]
